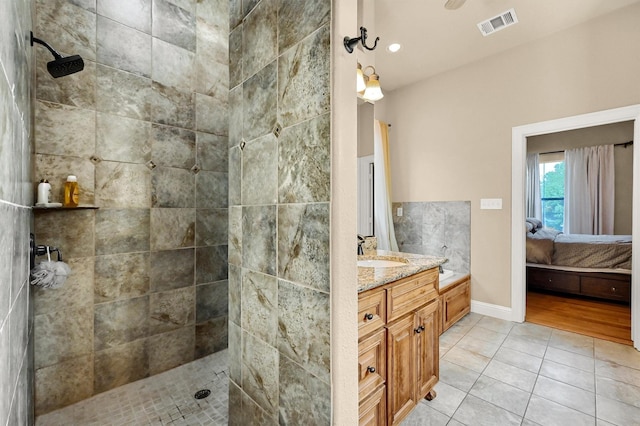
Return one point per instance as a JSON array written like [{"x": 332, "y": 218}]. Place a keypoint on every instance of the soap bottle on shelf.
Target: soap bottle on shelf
[{"x": 71, "y": 192}]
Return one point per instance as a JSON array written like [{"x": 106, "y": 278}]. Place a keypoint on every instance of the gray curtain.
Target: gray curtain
[{"x": 533, "y": 207}]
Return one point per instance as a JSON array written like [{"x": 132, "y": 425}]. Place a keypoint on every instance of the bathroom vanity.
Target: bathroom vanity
[{"x": 398, "y": 332}]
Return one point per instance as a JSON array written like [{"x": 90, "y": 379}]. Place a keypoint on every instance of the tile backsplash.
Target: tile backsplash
[{"x": 440, "y": 228}]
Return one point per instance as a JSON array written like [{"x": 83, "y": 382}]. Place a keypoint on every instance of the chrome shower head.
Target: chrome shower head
[{"x": 60, "y": 66}]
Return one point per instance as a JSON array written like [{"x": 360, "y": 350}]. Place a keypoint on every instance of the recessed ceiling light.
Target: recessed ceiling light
[{"x": 394, "y": 47}]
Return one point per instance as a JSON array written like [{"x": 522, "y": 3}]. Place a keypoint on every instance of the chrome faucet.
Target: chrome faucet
[{"x": 360, "y": 242}]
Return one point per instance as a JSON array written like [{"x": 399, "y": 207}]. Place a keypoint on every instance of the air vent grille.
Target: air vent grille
[{"x": 498, "y": 23}]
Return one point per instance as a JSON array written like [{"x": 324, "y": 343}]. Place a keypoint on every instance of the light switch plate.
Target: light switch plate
[
  {"x": 399, "y": 212},
  {"x": 491, "y": 203}
]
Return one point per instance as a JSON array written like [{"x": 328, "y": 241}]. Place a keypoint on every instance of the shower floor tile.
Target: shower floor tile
[{"x": 163, "y": 399}]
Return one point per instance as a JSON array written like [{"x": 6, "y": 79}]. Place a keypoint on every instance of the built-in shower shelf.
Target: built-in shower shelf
[{"x": 80, "y": 207}]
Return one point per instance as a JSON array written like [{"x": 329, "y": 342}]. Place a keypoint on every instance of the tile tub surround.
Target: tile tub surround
[
  {"x": 369, "y": 278},
  {"x": 16, "y": 197},
  {"x": 145, "y": 128},
  {"x": 439, "y": 228},
  {"x": 279, "y": 212}
]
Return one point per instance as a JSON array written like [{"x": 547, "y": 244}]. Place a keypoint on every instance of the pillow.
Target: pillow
[
  {"x": 539, "y": 251},
  {"x": 537, "y": 223},
  {"x": 528, "y": 227}
]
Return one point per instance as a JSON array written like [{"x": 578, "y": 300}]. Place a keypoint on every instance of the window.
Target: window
[{"x": 552, "y": 190}]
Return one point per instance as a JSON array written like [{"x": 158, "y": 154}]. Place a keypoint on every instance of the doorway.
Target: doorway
[{"x": 519, "y": 150}]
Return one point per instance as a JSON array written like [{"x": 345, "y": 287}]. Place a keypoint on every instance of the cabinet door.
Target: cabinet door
[
  {"x": 427, "y": 348},
  {"x": 372, "y": 358},
  {"x": 401, "y": 368},
  {"x": 372, "y": 411},
  {"x": 456, "y": 303}
]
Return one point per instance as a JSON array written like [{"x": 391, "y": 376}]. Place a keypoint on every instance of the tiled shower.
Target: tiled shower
[{"x": 144, "y": 128}]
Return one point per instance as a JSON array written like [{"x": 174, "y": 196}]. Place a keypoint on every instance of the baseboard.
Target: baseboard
[{"x": 490, "y": 310}]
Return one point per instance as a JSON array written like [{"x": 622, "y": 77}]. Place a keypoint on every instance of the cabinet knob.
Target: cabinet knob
[
  {"x": 419, "y": 329},
  {"x": 613, "y": 289},
  {"x": 371, "y": 369},
  {"x": 369, "y": 316}
]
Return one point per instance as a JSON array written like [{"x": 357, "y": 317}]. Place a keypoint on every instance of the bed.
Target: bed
[{"x": 588, "y": 265}]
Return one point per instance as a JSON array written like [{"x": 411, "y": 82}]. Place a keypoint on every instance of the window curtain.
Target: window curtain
[
  {"x": 589, "y": 190},
  {"x": 533, "y": 206},
  {"x": 384, "y": 231}
]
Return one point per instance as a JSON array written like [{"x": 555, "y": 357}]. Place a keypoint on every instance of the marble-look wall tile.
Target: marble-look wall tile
[
  {"x": 212, "y": 227},
  {"x": 212, "y": 190},
  {"x": 304, "y": 162},
  {"x": 211, "y": 336},
  {"x": 76, "y": 293},
  {"x": 122, "y": 93},
  {"x": 172, "y": 269},
  {"x": 64, "y": 130},
  {"x": 248, "y": 6},
  {"x": 77, "y": 89},
  {"x": 259, "y": 238},
  {"x": 120, "y": 322},
  {"x": 212, "y": 59},
  {"x": 235, "y": 57},
  {"x": 56, "y": 168},
  {"x": 235, "y": 13},
  {"x": 71, "y": 29},
  {"x": 259, "y": 103},
  {"x": 260, "y": 171},
  {"x": 122, "y": 139},
  {"x": 121, "y": 231},
  {"x": 169, "y": 350},
  {"x": 172, "y": 228},
  {"x": 174, "y": 24},
  {"x": 235, "y": 115},
  {"x": 259, "y": 37},
  {"x": 212, "y": 114},
  {"x": 298, "y": 19},
  {"x": 212, "y": 300},
  {"x": 235, "y": 294},
  {"x": 172, "y": 188},
  {"x": 298, "y": 307},
  {"x": 260, "y": 372},
  {"x": 173, "y": 66},
  {"x": 133, "y": 13},
  {"x": 260, "y": 305},
  {"x": 211, "y": 264},
  {"x": 123, "y": 47},
  {"x": 212, "y": 152},
  {"x": 172, "y": 309},
  {"x": 235, "y": 352},
  {"x": 408, "y": 227},
  {"x": 304, "y": 399},
  {"x": 122, "y": 185},
  {"x": 235, "y": 176},
  {"x": 121, "y": 276},
  {"x": 235, "y": 235},
  {"x": 303, "y": 79},
  {"x": 303, "y": 244},
  {"x": 63, "y": 384},
  {"x": 63, "y": 335},
  {"x": 49, "y": 231},
  {"x": 121, "y": 365},
  {"x": 215, "y": 13},
  {"x": 173, "y": 147},
  {"x": 172, "y": 106}
]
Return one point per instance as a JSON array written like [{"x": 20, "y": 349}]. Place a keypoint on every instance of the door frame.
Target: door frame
[{"x": 518, "y": 170}]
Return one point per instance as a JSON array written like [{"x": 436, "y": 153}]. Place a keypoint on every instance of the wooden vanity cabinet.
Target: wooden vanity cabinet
[
  {"x": 405, "y": 316},
  {"x": 455, "y": 302}
]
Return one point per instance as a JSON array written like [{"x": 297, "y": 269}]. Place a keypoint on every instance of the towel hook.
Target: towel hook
[{"x": 350, "y": 43}]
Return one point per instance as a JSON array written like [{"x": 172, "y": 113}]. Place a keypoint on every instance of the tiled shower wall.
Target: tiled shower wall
[
  {"x": 145, "y": 128},
  {"x": 16, "y": 307},
  {"x": 437, "y": 228},
  {"x": 279, "y": 194}
]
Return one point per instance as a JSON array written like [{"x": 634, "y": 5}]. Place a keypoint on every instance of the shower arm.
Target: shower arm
[{"x": 45, "y": 44}]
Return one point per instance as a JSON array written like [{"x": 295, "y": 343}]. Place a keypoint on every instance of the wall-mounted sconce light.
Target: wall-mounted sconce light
[
  {"x": 60, "y": 66},
  {"x": 350, "y": 43},
  {"x": 368, "y": 85}
]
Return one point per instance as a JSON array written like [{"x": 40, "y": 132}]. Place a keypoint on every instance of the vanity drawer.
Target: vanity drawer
[
  {"x": 407, "y": 296},
  {"x": 372, "y": 356},
  {"x": 371, "y": 312}
]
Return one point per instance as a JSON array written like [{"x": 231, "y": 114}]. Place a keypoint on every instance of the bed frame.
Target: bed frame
[{"x": 602, "y": 285}]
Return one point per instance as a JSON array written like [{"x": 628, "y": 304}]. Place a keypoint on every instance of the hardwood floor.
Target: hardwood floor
[{"x": 601, "y": 319}]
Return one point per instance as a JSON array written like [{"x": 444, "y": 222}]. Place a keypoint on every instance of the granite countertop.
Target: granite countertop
[{"x": 369, "y": 278}]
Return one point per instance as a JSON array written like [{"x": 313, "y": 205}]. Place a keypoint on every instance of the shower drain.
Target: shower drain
[{"x": 201, "y": 394}]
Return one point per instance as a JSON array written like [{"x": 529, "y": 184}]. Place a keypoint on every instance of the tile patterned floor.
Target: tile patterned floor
[
  {"x": 492, "y": 372},
  {"x": 495, "y": 372},
  {"x": 163, "y": 399}
]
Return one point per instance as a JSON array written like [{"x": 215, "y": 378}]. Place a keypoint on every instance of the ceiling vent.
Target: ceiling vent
[{"x": 498, "y": 23}]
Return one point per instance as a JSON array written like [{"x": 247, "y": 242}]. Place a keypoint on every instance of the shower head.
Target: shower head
[{"x": 60, "y": 66}]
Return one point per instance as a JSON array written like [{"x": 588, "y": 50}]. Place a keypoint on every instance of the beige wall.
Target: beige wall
[
  {"x": 615, "y": 133},
  {"x": 452, "y": 132},
  {"x": 365, "y": 129}
]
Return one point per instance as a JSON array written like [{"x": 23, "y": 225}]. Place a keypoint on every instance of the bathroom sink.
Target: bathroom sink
[{"x": 380, "y": 263}]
